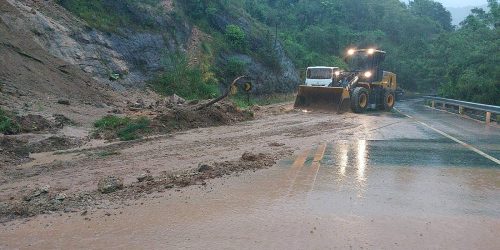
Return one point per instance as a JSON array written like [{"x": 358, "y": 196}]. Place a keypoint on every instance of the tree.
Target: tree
[{"x": 433, "y": 10}]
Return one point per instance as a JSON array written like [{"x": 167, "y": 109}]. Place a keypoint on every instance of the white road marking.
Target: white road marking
[{"x": 470, "y": 147}]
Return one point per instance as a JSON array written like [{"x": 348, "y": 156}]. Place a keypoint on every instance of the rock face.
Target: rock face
[
  {"x": 135, "y": 55},
  {"x": 266, "y": 80},
  {"x": 110, "y": 184},
  {"x": 130, "y": 56}
]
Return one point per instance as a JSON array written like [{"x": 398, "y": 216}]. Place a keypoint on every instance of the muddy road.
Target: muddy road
[{"x": 412, "y": 179}]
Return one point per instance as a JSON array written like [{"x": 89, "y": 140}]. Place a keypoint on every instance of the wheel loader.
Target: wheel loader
[{"x": 365, "y": 85}]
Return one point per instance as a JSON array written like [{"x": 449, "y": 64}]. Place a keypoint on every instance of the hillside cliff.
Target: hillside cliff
[{"x": 125, "y": 44}]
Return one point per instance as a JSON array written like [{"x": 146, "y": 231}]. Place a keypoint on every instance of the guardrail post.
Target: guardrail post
[
  {"x": 461, "y": 110},
  {"x": 433, "y": 104},
  {"x": 488, "y": 117},
  {"x": 444, "y": 105}
]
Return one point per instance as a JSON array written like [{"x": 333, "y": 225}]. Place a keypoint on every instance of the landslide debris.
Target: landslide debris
[
  {"x": 112, "y": 188},
  {"x": 13, "y": 151},
  {"x": 182, "y": 118},
  {"x": 166, "y": 116}
]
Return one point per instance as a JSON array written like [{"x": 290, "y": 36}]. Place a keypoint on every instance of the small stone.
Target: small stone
[
  {"x": 145, "y": 177},
  {"x": 45, "y": 189},
  {"x": 204, "y": 168},
  {"x": 110, "y": 184},
  {"x": 169, "y": 186},
  {"x": 175, "y": 99},
  {"x": 116, "y": 111},
  {"x": 276, "y": 144},
  {"x": 256, "y": 108},
  {"x": 60, "y": 196},
  {"x": 84, "y": 213},
  {"x": 249, "y": 157},
  {"x": 63, "y": 102}
]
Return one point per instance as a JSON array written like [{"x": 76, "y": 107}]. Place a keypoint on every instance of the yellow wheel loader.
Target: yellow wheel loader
[{"x": 365, "y": 85}]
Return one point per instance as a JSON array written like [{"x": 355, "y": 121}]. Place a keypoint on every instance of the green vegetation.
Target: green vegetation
[
  {"x": 425, "y": 50},
  {"x": 236, "y": 37},
  {"x": 107, "y": 153},
  {"x": 8, "y": 125},
  {"x": 108, "y": 15},
  {"x": 187, "y": 81},
  {"x": 469, "y": 58},
  {"x": 243, "y": 102},
  {"x": 125, "y": 128},
  {"x": 234, "y": 67}
]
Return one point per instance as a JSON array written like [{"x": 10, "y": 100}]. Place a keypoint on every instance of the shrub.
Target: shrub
[
  {"x": 236, "y": 37},
  {"x": 8, "y": 125},
  {"x": 184, "y": 80},
  {"x": 111, "y": 122},
  {"x": 124, "y": 128},
  {"x": 234, "y": 68},
  {"x": 133, "y": 129}
]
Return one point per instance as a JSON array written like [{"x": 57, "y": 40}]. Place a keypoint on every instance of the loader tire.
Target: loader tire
[
  {"x": 359, "y": 100},
  {"x": 388, "y": 100}
]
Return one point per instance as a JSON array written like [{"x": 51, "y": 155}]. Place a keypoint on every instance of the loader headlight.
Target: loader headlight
[
  {"x": 368, "y": 74},
  {"x": 337, "y": 73},
  {"x": 371, "y": 51},
  {"x": 350, "y": 52}
]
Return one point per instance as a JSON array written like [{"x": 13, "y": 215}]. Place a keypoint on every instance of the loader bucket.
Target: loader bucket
[{"x": 322, "y": 98}]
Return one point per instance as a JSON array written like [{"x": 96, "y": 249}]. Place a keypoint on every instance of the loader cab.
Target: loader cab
[
  {"x": 321, "y": 76},
  {"x": 367, "y": 62}
]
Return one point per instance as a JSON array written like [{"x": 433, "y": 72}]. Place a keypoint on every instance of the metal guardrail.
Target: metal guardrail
[{"x": 488, "y": 109}]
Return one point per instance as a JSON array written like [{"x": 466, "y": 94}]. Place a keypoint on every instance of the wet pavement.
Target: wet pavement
[{"x": 383, "y": 190}]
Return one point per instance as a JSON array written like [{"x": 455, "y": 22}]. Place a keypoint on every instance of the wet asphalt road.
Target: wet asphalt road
[{"x": 386, "y": 190}]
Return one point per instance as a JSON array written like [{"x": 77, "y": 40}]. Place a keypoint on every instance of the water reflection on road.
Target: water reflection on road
[{"x": 362, "y": 193}]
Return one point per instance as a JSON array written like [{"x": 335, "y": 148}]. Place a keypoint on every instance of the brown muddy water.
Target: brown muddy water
[{"x": 370, "y": 194}]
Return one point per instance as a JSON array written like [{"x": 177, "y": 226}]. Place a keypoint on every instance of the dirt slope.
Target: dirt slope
[{"x": 28, "y": 70}]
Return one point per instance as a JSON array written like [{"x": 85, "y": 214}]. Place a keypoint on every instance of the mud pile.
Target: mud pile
[
  {"x": 13, "y": 151},
  {"x": 188, "y": 117}
]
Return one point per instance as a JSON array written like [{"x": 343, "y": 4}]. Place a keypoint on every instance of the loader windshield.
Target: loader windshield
[
  {"x": 319, "y": 73},
  {"x": 360, "y": 61}
]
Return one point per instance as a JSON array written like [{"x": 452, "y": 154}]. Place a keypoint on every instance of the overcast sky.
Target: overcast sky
[{"x": 461, "y": 3}]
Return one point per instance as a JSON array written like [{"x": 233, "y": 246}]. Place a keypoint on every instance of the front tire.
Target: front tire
[
  {"x": 359, "y": 100},
  {"x": 389, "y": 100}
]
